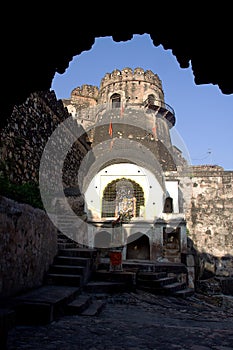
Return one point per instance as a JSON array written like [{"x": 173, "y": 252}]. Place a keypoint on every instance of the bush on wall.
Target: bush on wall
[{"x": 28, "y": 193}]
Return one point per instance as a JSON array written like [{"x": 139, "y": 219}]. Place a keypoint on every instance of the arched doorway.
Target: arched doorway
[{"x": 138, "y": 247}]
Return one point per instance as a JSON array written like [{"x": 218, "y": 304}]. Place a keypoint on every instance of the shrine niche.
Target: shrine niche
[
  {"x": 168, "y": 205},
  {"x": 125, "y": 200},
  {"x": 122, "y": 197},
  {"x": 138, "y": 247},
  {"x": 171, "y": 243}
]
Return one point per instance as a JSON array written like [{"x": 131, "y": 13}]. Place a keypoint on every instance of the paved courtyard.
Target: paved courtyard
[{"x": 135, "y": 321}]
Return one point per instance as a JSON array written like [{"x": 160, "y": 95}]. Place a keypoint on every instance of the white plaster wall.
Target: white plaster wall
[
  {"x": 172, "y": 189},
  {"x": 153, "y": 192}
]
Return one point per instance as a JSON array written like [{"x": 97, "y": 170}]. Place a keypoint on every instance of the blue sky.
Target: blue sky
[{"x": 204, "y": 115}]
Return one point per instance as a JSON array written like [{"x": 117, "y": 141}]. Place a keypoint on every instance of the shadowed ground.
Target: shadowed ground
[{"x": 135, "y": 321}]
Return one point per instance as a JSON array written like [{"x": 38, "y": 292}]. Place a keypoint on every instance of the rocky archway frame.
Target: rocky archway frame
[{"x": 36, "y": 51}]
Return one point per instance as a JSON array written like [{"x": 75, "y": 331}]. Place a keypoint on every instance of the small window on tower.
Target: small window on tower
[
  {"x": 151, "y": 100},
  {"x": 116, "y": 100}
]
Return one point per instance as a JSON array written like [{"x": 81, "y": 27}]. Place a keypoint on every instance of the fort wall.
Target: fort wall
[
  {"x": 208, "y": 206},
  {"x": 28, "y": 243}
]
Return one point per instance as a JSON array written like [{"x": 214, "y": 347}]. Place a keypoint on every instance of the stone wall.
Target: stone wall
[
  {"x": 28, "y": 130},
  {"x": 28, "y": 239},
  {"x": 210, "y": 218},
  {"x": 82, "y": 104},
  {"x": 28, "y": 244}
]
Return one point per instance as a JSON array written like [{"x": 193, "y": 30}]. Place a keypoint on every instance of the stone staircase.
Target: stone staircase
[
  {"x": 62, "y": 292},
  {"x": 156, "y": 278},
  {"x": 162, "y": 283},
  {"x": 111, "y": 282},
  {"x": 171, "y": 252},
  {"x": 163, "y": 278},
  {"x": 72, "y": 266},
  {"x": 75, "y": 285}
]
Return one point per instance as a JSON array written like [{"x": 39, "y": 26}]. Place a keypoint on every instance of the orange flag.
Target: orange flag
[
  {"x": 110, "y": 129},
  {"x": 154, "y": 131}
]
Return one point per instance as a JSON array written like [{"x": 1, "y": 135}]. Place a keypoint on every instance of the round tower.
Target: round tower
[
  {"x": 133, "y": 86},
  {"x": 81, "y": 104},
  {"x": 131, "y": 103}
]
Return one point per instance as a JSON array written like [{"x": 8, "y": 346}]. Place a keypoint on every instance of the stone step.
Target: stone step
[
  {"x": 71, "y": 260},
  {"x": 67, "y": 269},
  {"x": 62, "y": 239},
  {"x": 65, "y": 245},
  {"x": 127, "y": 277},
  {"x": 174, "y": 267},
  {"x": 157, "y": 283},
  {"x": 173, "y": 259},
  {"x": 62, "y": 236},
  {"x": 174, "y": 287},
  {"x": 78, "y": 252},
  {"x": 78, "y": 305},
  {"x": 64, "y": 279},
  {"x": 171, "y": 252},
  {"x": 150, "y": 276},
  {"x": 183, "y": 293},
  {"x": 110, "y": 287},
  {"x": 94, "y": 308},
  {"x": 44, "y": 304}
]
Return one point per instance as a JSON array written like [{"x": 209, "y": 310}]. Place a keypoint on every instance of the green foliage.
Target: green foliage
[{"x": 28, "y": 193}]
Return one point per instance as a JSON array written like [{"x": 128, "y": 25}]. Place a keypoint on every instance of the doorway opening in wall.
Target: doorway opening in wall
[
  {"x": 138, "y": 248},
  {"x": 171, "y": 240}
]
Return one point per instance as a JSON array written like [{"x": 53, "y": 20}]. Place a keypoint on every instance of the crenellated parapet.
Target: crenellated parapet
[
  {"x": 82, "y": 99},
  {"x": 133, "y": 85},
  {"x": 128, "y": 74},
  {"x": 87, "y": 91}
]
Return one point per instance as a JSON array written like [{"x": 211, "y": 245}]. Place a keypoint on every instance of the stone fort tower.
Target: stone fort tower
[
  {"x": 128, "y": 125},
  {"x": 133, "y": 97}
]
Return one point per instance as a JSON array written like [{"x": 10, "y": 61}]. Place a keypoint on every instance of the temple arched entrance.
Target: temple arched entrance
[{"x": 138, "y": 247}]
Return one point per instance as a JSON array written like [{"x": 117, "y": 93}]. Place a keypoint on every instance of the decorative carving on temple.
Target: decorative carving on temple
[{"x": 125, "y": 200}]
